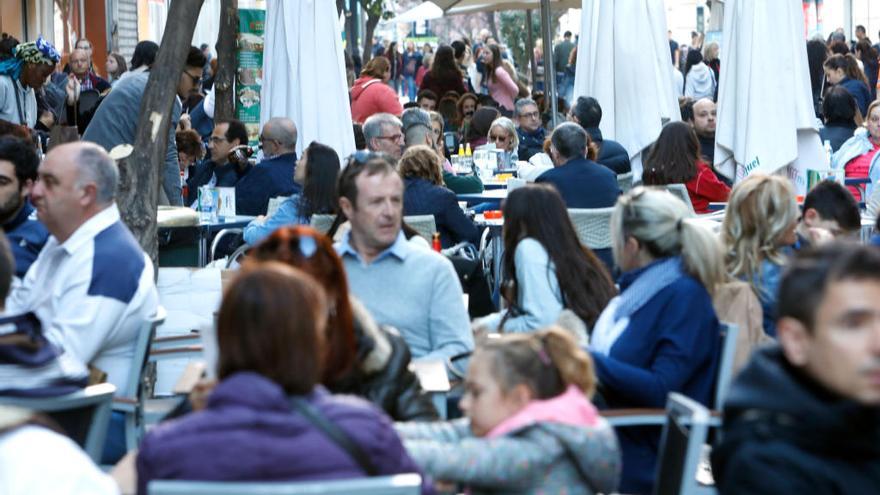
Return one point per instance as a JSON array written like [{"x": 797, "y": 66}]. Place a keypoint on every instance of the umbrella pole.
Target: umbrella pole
[
  {"x": 549, "y": 70},
  {"x": 530, "y": 48}
]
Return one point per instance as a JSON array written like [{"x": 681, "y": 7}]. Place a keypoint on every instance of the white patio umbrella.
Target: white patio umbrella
[
  {"x": 304, "y": 73},
  {"x": 454, "y": 7},
  {"x": 766, "y": 119},
  {"x": 421, "y": 12},
  {"x": 629, "y": 75}
]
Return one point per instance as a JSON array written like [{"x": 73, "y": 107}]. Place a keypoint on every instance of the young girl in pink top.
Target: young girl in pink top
[
  {"x": 530, "y": 425},
  {"x": 502, "y": 87}
]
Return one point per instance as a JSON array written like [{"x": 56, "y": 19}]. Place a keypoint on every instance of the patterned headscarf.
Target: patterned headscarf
[{"x": 34, "y": 52}]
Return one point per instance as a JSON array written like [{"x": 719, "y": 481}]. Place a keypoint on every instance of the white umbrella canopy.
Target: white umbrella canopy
[
  {"x": 422, "y": 12},
  {"x": 630, "y": 76},
  {"x": 453, "y": 7},
  {"x": 304, "y": 73},
  {"x": 766, "y": 119}
]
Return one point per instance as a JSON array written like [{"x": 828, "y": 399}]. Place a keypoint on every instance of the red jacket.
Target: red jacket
[
  {"x": 370, "y": 96},
  {"x": 705, "y": 188}
]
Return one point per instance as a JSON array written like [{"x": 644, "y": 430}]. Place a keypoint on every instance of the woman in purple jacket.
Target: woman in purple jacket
[{"x": 270, "y": 334}]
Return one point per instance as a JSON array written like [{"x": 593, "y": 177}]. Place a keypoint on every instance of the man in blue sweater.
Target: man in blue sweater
[
  {"x": 582, "y": 183},
  {"x": 18, "y": 171},
  {"x": 274, "y": 175},
  {"x": 402, "y": 284}
]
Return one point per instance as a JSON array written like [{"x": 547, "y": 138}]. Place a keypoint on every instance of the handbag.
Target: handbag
[{"x": 335, "y": 434}]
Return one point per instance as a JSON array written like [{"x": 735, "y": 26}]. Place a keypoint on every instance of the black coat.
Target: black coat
[
  {"x": 382, "y": 375},
  {"x": 785, "y": 434},
  {"x": 611, "y": 153}
]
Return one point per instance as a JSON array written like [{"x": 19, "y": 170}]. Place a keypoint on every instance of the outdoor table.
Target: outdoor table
[
  {"x": 491, "y": 184},
  {"x": 494, "y": 196},
  {"x": 204, "y": 232}
]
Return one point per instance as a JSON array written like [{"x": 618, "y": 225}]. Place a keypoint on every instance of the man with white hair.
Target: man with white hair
[
  {"x": 384, "y": 133},
  {"x": 92, "y": 284},
  {"x": 273, "y": 176}
]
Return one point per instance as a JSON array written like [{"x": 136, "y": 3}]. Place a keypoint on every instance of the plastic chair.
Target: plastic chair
[
  {"x": 425, "y": 225},
  {"x": 401, "y": 484},
  {"x": 322, "y": 222},
  {"x": 681, "y": 445},
  {"x": 625, "y": 182},
  {"x": 593, "y": 226},
  {"x": 130, "y": 400},
  {"x": 84, "y": 415},
  {"x": 680, "y": 192}
]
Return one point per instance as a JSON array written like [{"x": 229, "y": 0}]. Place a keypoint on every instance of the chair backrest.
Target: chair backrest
[
  {"x": 401, "y": 484},
  {"x": 625, "y": 182},
  {"x": 322, "y": 222},
  {"x": 681, "y": 192},
  {"x": 681, "y": 444},
  {"x": 729, "y": 334},
  {"x": 425, "y": 225},
  {"x": 141, "y": 350},
  {"x": 593, "y": 226},
  {"x": 84, "y": 415}
]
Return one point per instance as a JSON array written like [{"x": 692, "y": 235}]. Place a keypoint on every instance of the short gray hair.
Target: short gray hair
[
  {"x": 570, "y": 140},
  {"x": 415, "y": 116},
  {"x": 373, "y": 125},
  {"x": 419, "y": 134},
  {"x": 522, "y": 103},
  {"x": 281, "y": 129},
  {"x": 95, "y": 165}
]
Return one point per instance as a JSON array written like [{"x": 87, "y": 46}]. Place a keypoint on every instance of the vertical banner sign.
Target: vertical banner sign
[{"x": 249, "y": 77}]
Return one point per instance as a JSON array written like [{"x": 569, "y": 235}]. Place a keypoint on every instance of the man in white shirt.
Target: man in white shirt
[{"x": 92, "y": 285}]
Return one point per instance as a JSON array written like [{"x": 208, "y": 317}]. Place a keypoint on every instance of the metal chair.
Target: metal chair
[
  {"x": 625, "y": 182},
  {"x": 401, "y": 484},
  {"x": 84, "y": 415},
  {"x": 681, "y": 444},
  {"x": 222, "y": 235},
  {"x": 680, "y": 192},
  {"x": 322, "y": 222},
  {"x": 130, "y": 400},
  {"x": 593, "y": 226},
  {"x": 425, "y": 225}
]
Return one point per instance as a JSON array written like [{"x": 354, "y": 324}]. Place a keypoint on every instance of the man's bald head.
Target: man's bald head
[
  {"x": 79, "y": 62},
  {"x": 279, "y": 136},
  {"x": 705, "y": 117}
]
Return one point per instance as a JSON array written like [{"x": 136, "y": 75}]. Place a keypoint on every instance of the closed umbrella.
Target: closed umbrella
[
  {"x": 304, "y": 73},
  {"x": 766, "y": 119},
  {"x": 623, "y": 62}
]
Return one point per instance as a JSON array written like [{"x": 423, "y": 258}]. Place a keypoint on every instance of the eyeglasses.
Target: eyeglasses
[
  {"x": 263, "y": 139},
  {"x": 361, "y": 157},
  {"x": 396, "y": 137},
  {"x": 495, "y": 137},
  {"x": 530, "y": 115},
  {"x": 196, "y": 80}
]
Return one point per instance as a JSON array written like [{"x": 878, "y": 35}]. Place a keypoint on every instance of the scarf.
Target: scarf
[
  {"x": 615, "y": 318},
  {"x": 35, "y": 52}
]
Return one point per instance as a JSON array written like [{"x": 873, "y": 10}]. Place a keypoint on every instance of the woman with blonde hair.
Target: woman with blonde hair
[
  {"x": 502, "y": 132},
  {"x": 759, "y": 225},
  {"x": 424, "y": 194},
  {"x": 661, "y": 334}
]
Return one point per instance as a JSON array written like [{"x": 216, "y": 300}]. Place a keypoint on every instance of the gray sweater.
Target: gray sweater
[
  {"x": 416, "y": 291},
  {"x": 115, "y": 122}
]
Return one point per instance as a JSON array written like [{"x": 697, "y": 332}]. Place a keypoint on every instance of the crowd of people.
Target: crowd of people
[{"x": 318, "y": 330}]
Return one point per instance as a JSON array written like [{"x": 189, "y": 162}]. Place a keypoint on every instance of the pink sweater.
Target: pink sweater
[{"x": 503, "y": 89}]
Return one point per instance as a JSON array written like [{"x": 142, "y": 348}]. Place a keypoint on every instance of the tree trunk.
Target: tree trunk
[
  {"x": 490, "y": 19},
  {"x": 224, "y": 93},
  {"x": 372, "y": 22},
  {"x": 141, "y": 173}
]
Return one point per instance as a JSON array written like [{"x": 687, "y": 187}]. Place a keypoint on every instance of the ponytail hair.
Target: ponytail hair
[
  {"x": 547, "y": 361},
  {"x": 660, "y": 223}
]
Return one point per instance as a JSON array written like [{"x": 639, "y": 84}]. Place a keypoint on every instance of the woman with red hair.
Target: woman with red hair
[{"x": 361, "y": 357}]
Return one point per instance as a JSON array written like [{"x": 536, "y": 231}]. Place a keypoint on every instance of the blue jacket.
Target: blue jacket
[
  {"x": 27, "y": 236},
  {"x": 421, "y": 197},
  {"x": 227, "y": 176},
  {"x": 860, "y": 92},
  {"x": 583, "y": 184},
  {"x": 289, "y": 213},
  {"x": 530, "y": 143},
  {"x": 269, "y": 178},
  {"x": 671, "y": 344},
  {"x": 768, "y": 289},
  {"x": 611, "y": 153},
  {"x": 837, "y": 134}
]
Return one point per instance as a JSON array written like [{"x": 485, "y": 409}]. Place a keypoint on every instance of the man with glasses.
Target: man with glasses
[
  {"x": 384, "y": 133},
  {"x": 219, "y": 169},
  {"x": 115, "y": 121},
  {"x": 531, "y": 133},
  {"x": 273, "y": 176}
]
